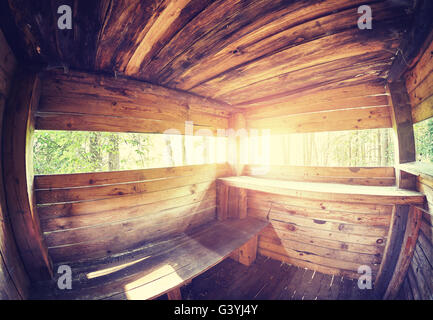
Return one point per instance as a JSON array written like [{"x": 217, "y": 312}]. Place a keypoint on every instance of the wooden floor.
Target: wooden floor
[{"x": 269, "y": 279}]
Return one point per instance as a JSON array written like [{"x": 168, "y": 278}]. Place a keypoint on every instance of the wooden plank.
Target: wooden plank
[
  {"x": 326, "y": 172},
  {"x": 402, "y": 124},
  {"x": 392, "y": 248},
  {"x": 420, "y": 98},
  {"x": 406, "y": 253},
  {"x": 222, "y": 192},
  {"x": 119, "y": 190},
  {"x": 307, "y": 264},
  {"x": 89, "y": 244},
  {"x": 323, "y": 251},
  {"x": 113, "y": 177},
  {"x": 295, "y": 27},
  {"x": 304, "y": 236},
  {"x": 319, "y": 99},
  {"x": 354, "y": 119},
  {"x": 18, "y": 175},
  {"x": 334, "y": 192},
  {"x": 116, "y": 91},
  {"x": 75, "y": 122},
  {"x": 343, "y": 72},
  {"x": 413, "y": 41},
  {"x": 421, "y": 69},
  {"x": 246, "y": 254},
  {"x": 15, "y": 282},
  {"x": 186, "y": 205},
  {"x": 264, "y": 211},
  {"x": 321, "y": 205},
  {"x": 174, "y": 294},
  {"x": 148, "y": 278}
]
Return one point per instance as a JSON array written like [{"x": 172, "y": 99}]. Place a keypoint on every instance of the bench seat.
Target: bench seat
[
  {"x": 326, "y": 191},
  {"x": 156, "y": 268}
]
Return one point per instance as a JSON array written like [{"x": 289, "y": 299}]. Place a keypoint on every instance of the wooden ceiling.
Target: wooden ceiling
[{"x": 246, "y": 53}]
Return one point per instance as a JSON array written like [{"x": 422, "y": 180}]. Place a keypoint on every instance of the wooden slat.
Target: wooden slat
[
  {"x": 352, "y": 119},
  {"x": 319, "y": 99},
  {"x": 119, "y": 190},
  {"x": 351, "y": 175},
  {"x": 196, "y": 202},
  {"x": 406, "y": 253},
  {"x": 121, "y": 203},
  {"x": 392, "y": 249},
  {"x": 300, "y": 24},
  {"x": 313, "y": 258},
  {"x": 14, "y": 283},
  {"x": 368, "y": 219},
  {"x": 327, "y": 191},
  {"x": 322, "y": 205},
  {"x": 413, "y": 40},
  {"x": 337, "y": 254},
  {"x": 333, "y": 47},
  {"x": 343, "y": 72},
  {"x": 114, "y": 177},
  {"x": 304, "y": 235},
  {"x": 18, "y": 175}
]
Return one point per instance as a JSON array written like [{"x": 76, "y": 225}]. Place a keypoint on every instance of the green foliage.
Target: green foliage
[
  {"x": 423, "y": 132},
  {"x": 75, "y": 151}
]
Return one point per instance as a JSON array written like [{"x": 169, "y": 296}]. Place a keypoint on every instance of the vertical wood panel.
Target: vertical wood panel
[
  {"x": 401, "y": 116},
  {"x": 18, "y": 175}
]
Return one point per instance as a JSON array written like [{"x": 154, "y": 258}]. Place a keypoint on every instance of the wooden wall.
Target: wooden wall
[
  {"x": 418, "y": 283},
  {"x": 96, "y": 102},
  {"x": 13, "y": 278},
  {"x": 419, "y": 84},
  {"x": 327, "y": 236},
  {"x": 349, "y": 107},
  {"x": 92, "y": 215}
]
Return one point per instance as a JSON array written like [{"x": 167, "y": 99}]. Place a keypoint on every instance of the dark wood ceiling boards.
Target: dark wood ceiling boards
[{"x": 247, "y": 53}]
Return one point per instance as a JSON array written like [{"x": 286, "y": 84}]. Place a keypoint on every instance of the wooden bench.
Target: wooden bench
[
  {"x": 321, "y": 191},
  {"x": 160, "y": 267},
  {"x": 332, "y": 228}
]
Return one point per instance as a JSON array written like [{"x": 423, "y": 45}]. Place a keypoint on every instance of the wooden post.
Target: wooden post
[
  {"x": 222, "y": 200},
  {"x": 18, "y": 175},
  {"x": 392, "y": 249},
  {"x": 404, "y": 142},
  {"x": 406, "y": 253},
  {"x": 399, "y": 250},
  {"x": 174, "y": 294},
  {"x": 237, "y": 135},
  {"x": 247, "y": 253}
]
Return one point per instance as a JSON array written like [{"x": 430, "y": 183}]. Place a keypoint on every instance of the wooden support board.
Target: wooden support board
[
  {"x": 157, "y": 268},
  {"x": 18, "y": 175},
  {"x": 327, "y": 191}
]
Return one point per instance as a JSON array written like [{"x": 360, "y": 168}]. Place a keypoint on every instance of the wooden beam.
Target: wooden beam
[
  {"x": 246, "y": 254},
  {"x": 404, "y": 143},
  {"x": 392, "y": 248},
  {"x": 222, "y": 193},
  {"x": 413, "y": 43},
  {"x": 406, "y": 253},
  {"x": 174, "y": 294},
  {"x": 237, "y": 135},
  {"x": 18, "y": 175}
]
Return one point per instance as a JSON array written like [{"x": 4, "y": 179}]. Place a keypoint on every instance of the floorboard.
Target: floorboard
[{"x": 268, "y": 279}]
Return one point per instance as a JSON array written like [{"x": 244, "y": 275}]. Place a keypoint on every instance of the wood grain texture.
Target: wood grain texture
[
  {"x": 18, "y": 174},
  {"x": 383, "y": 176},
  {"x": 14, "y": 283},
  {"x": 156, "y": 269},
  {"x": 83, "y": 215},
  {"x": 215, "y": 48}
]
